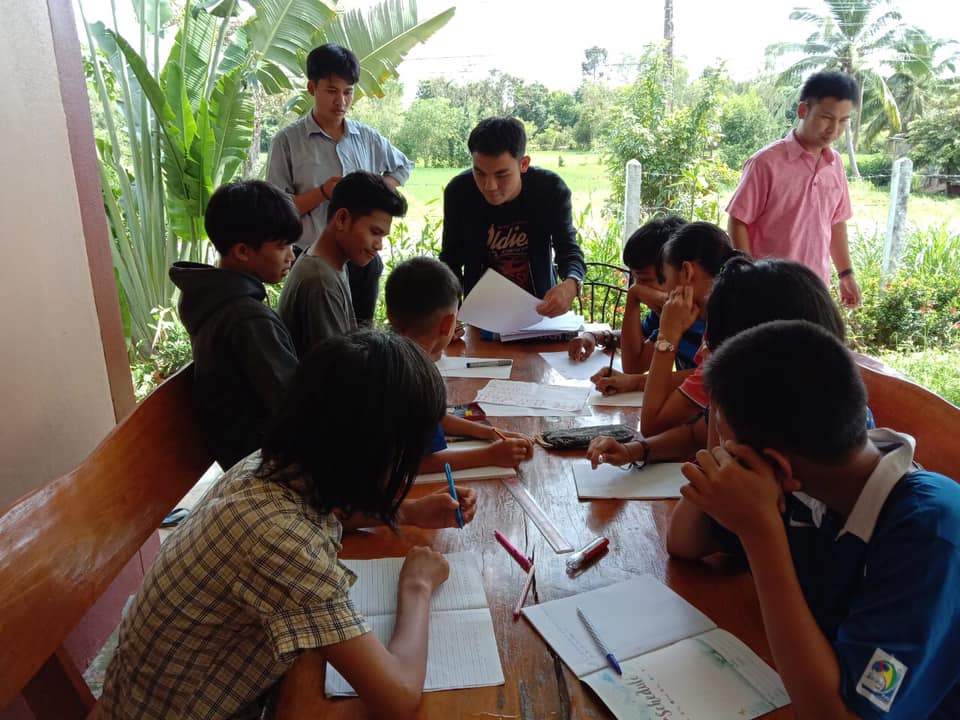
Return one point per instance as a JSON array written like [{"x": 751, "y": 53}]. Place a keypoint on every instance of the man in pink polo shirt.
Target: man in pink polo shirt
[{"x": 792, "y": 201}]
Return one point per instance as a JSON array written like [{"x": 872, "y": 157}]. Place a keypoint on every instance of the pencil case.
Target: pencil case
[{"x": 577, "y": 438}]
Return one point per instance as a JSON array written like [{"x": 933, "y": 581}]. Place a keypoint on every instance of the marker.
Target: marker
[
  {"x": 489, "y": 363},
  {"x": 453, "y": 493},
  {"x": 611, "y": 658},
  {"x": 524, "y": 593},
  {"x": 524, "y": 561},
  {"x": 588, "y": 553}
]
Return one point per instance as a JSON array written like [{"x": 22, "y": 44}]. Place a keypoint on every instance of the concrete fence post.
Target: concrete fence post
[
  {"x": 897, "y": 214},
  {"x": 631, "y": 199}
]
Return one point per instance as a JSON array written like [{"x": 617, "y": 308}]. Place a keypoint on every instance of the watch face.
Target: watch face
[{"x": 663, "y": 345}]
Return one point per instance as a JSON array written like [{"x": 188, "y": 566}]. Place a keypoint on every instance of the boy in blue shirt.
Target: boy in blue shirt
[
  {"x": 422, "y": 296},
  {"x": 243, "y": 356},
  {"x": 859, "y": 579}
]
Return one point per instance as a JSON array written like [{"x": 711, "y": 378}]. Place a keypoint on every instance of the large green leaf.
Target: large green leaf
[
  {"x": 281, "y": 30},
  {"x": 381, "y": 38},
  {"x": 192, "y": 52},
  {"x": 232, "y": 112},
  {"x": 153, "y": 14}
]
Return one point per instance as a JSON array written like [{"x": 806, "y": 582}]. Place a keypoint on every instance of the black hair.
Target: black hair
[
  {"x": 330, "y": 59},
  {"x": 417, "y": 290},
  {"x": 748, "y": 293},
  {"x": 251, "y": 212},
  {"x": 497, "y": 135},
  {"x": 829, "y": 83},
  {"x": 791, "y": 386},
  {"x": 642, "y": 249},
  {"x": 360, "y": 193},
  {"x": 320, "y": 431},
  {"x": 700, "y": 242}
]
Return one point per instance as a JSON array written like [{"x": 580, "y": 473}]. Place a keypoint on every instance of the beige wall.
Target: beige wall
[{"x": 54, "y": 392}]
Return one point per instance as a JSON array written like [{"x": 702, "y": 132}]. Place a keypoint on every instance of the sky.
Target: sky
[{"x": 543, "y": 40}]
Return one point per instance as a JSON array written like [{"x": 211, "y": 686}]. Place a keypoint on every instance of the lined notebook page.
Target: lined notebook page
[{"x": 462, "y": 648}]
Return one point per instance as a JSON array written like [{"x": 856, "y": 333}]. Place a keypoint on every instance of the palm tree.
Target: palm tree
[
  {"x": 856, "y": 37},
  {"x": 924, "y": 69}
]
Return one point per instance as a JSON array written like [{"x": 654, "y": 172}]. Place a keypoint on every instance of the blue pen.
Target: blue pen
[
  {"x": 611, "y": 658},
  {"x": 453, "y": 492}
]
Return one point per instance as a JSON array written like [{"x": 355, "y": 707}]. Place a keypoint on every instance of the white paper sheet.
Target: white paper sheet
[
  {"x": 712, "y": 676},
  {"x": 457, "y": 367},
  {"x": 497, "y": 410},
  {"x": 634, "y": 617},
  {"x": 624, "y": 399},
  {"x": 655, "y": 481},
  {"x": 569, "y": 322},
  {"x": 533, "y": 395},
  {"x": 498, "y": 305},
  {"x": 580, "y": 369},
  {"x": 462, "y": 648}
]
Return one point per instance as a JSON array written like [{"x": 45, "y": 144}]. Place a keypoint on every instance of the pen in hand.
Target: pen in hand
[
  {"x": 613, "y": 355},
  {"x": 453, "y": 493}
]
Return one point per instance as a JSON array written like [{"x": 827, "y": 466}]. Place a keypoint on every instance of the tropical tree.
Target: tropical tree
[
  {"x": 856, "y": 37},
  {"x": 175, "y": 130}
]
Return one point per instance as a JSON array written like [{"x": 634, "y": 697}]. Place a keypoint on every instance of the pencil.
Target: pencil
[
  {"x": 613, "y": 354},
  {"x": 524, "y": 593},
  {"x": 499, "y": 434}
]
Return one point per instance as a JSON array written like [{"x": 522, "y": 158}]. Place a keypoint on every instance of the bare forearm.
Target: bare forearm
[
  {"x": 658, "y": 387},
  {"x": 409, "y": 641},
  {"x": 309, "y": 200},
  {"x": 453, "y": 425},
  {"x": 804, "y": 658},
  {"x": 632, "y": 339},
  {"x": 689, "y": 535},
  {"x": 839, "y": 247},
  {"x": 739, "y": 234}
]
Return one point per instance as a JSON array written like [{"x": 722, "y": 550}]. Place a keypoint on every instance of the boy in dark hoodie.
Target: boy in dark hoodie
[{"x": 242, "y": 354}]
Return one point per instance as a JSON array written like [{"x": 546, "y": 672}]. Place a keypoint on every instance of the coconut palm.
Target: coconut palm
[
  {"x": 176, "y": 130},
  {"x": 856, "y": 37}
]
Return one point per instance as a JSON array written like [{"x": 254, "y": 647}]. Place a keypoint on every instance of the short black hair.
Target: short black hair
[
  {"x": 319, "y": 433},
  {"x": 330, "y": 59},
  {"x": 497, "y": 135},
  {"x": 642, "y": 249},
  {"x": 417, "y": 290},
  {"x": 700, "y": 242},
  {"x": 829, "y": 83},
  {"x": 791, "y": 386},
  {"x": 251, "y": 212},
  {"x": 362, "y": 192},
  {"x": 747, "y": 293}
]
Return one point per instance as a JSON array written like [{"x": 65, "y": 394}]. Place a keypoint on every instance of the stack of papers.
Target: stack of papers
[
  {"x": 675, "y": 661},
  {"x": 580, "y": 369},
  {"x": 567, "y": 324},
  {"x": 482, "y": 472},
  {"x": 462, "y": 648}
]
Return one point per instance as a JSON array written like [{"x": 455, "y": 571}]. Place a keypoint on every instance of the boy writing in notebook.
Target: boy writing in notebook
[
  {"x": 316, "y": 302},
  {"x": 854, "y": 551},
  {"x": 422, "y": 296},
  {"x": 645, "y": 299}
]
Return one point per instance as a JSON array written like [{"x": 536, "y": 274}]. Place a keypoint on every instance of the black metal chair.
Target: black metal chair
[{"x": 604, "y": 293}]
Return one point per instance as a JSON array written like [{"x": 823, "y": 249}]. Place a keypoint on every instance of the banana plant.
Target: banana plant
[{"x": 175, "y": 131}]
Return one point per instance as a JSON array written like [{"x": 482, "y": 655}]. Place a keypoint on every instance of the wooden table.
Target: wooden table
[{"x": 538, "y": 684}]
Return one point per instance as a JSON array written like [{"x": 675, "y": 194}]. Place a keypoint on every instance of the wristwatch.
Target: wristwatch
[{"x": 664, "y": 346}]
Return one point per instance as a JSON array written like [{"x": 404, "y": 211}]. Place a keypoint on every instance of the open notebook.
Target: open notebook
[
  {"x": 676, "y": 662},
  {"x": 462, "y": 650},
  {"x": 483, "y": 472}
]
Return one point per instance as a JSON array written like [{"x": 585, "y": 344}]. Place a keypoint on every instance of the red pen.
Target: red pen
[
  {"x": 522, "y": 559},
  {"x": 588, "y": 553}
]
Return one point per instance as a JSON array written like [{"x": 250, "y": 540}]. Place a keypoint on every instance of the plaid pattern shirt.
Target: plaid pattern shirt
[{"x": 249, "y": 581}]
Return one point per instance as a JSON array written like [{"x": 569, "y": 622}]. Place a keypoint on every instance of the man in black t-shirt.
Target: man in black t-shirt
[{"x": 504, "y": 214}]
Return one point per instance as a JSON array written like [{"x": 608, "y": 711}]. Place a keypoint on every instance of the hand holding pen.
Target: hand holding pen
[{"x": 453, "y": 493}]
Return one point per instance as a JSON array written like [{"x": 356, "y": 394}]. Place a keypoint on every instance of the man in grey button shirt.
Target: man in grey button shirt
[{"x": 308, "y": 158}]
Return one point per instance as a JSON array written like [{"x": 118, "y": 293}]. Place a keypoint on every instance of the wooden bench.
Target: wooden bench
[
  {"x": 62, "y": 545},
  {"x": 899, "y": 404}
]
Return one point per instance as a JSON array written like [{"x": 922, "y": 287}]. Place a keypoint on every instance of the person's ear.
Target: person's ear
[
  {"x": 311, "y": 87},
  {"x": 802, "y": 109},
  {"x": 687, "y": 272},
  {"x": 341, "y": 219},
  {"x": 524, "y": 163},
  {"x": 241, "y": 252},
  {"x": 447, "y": 325},
  {"x": 782, "y": 469}
]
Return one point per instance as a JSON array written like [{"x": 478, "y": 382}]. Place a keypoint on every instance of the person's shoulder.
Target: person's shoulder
[
  {"x": 363, "y": 130},
  {"x": 462, "y": 185},
  {"x": 772, "y": 153},
  {"x": 540, "y": 177},
  {"x": 928, "y": 499}
]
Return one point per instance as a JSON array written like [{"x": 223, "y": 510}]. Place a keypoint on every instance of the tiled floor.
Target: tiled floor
[{"x": 95, "y": 673}]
